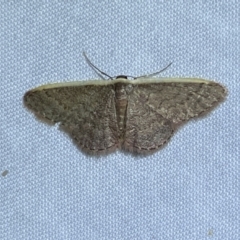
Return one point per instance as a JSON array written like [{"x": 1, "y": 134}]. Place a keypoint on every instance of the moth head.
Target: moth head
[{"x": 122, "y": 76}]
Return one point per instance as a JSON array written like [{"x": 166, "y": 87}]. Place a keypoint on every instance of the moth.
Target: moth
[{"x": 138, "y": 115}]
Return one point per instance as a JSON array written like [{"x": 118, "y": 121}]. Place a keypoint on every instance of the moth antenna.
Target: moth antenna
[
  {"x": 96, "y": 69},
  {"x": 156, "y": 73}
]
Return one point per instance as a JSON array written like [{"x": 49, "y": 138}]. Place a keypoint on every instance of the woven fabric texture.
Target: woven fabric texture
[{"x": 51, "y": 190}]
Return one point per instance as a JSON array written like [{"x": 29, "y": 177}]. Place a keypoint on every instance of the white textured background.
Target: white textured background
[{"x": 188, "y": 190}]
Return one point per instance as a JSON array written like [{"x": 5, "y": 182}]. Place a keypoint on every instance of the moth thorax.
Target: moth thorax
[{"x": 121, "y": 106}]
